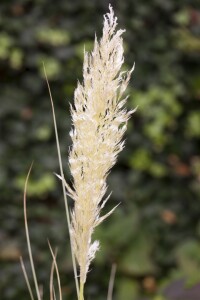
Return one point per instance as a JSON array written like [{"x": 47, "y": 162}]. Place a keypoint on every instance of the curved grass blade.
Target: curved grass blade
[
  {"x": 63, "y": 186},
  {"x": 51, "y": 279},
  {"x": 26, "y": 278},
  {"x": 28, "y": 238},
  {"x": 57, "y": 272}
]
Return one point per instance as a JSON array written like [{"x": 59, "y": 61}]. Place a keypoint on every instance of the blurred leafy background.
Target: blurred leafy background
[{"x": 154, "y": 235}]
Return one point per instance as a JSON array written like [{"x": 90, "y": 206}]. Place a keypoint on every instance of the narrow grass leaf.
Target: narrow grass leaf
[
  {"x": 111, "y": 282},
  {"x": 51, "y": 278},
  {"x": 63, "y": 185},
  {"x": 26, "y": 278},
  {"x": 57, "y": 272},
  {"x": 28, "y": 238}
]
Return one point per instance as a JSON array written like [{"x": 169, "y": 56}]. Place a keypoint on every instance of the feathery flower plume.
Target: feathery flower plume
[{"x": 99, "y": 123}]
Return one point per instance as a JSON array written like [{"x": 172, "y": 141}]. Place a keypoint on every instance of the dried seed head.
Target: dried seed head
[{"x": 99, "y": 122}]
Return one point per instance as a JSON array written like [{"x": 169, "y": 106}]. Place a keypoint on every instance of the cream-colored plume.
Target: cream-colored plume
[{"x": 99, "y": 123}]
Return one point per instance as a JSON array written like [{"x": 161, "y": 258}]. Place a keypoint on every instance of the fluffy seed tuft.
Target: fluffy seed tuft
[{"x": 99, "y": 123}]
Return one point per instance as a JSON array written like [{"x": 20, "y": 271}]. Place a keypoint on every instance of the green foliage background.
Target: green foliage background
[{"x": 154, "y": 235}]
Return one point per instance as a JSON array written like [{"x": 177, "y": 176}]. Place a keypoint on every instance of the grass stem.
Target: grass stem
[
  {"x": 63, "y": 186},
  {"x": 28, "y": 238},
  {"x": 81, "y": 291},
  {"x": 111, "y": 282}
]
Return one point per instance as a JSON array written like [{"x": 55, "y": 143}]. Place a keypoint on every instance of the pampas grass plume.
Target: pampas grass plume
[{"x": 99, "y": 123}]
